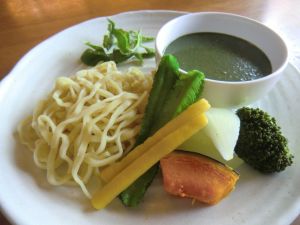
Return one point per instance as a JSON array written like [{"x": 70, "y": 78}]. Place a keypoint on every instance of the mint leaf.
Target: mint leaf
[{"x": 118, "y": 45}]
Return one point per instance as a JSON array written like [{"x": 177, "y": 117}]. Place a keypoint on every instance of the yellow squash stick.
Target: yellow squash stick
[
  {"x": 109, "y": 172},
  {"x": 191, "y": 120}
]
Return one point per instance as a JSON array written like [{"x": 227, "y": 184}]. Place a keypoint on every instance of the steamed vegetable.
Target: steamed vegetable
[
  {"x": 223, "y": 130},
  {"x": 172, "y": 92},
  {"x": 118, "y": 45},
  {"x": 217, "y": 140},
  {"x": 261, "y": 143},
  {"x": 196, "y": 176},
  {"x": 187, "y": 124}
]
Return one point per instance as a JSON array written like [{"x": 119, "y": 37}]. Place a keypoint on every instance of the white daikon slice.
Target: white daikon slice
[{"x": 217, "y": 140}]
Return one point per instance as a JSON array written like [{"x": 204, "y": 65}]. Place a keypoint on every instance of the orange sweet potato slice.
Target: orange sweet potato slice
[{"x": 197, "y": 176}]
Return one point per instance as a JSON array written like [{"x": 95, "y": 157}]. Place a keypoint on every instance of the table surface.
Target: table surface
[{"x": 23, "y": 24}]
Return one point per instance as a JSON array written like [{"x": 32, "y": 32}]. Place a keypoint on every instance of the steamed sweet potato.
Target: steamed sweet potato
[{"x": 196, "y": 176}]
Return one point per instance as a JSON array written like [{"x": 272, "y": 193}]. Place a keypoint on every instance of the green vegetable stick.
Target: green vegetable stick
[{"x": 164, "y": 80}]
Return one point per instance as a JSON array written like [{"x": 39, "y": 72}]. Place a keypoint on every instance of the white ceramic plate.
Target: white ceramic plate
[{"x": 28, "y": 199}]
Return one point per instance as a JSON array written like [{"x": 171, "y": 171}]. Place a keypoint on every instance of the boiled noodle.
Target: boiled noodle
[{"x": 88, "y": 121}]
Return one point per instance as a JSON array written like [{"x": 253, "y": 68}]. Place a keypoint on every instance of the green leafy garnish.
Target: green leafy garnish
[{"x": 118, "y": 45}]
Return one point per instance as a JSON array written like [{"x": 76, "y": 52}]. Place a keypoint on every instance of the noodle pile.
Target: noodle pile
[{"x": 88, "y": 121}]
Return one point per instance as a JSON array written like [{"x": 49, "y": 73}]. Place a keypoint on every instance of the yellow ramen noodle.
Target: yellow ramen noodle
[{"x": 88, "y": 121}]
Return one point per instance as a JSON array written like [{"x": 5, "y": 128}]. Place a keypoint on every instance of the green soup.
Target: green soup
[{"x": 220, "y": 56}]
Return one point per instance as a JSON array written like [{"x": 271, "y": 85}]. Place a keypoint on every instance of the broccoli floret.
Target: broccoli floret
[{"x": 261, "y": 143}]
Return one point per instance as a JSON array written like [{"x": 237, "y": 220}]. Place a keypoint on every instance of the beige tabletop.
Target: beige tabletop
[{"x": 25, "y": 23}]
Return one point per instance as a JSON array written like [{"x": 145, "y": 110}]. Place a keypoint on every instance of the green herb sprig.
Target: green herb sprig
[{"x": 118, "y": 45}]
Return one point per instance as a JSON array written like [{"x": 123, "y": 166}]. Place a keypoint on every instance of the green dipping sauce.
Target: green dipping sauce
[{"x": 220, "y": 56}]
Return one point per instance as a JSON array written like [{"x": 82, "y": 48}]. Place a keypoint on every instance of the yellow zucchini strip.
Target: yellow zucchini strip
[
  {"x": 110, "y": 171},
  {"x": 139, "y": 166},
  {"x": 191, "y": 124}
]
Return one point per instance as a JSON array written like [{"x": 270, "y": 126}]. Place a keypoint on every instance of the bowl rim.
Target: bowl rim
[{"x": 283, "y": 65}]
